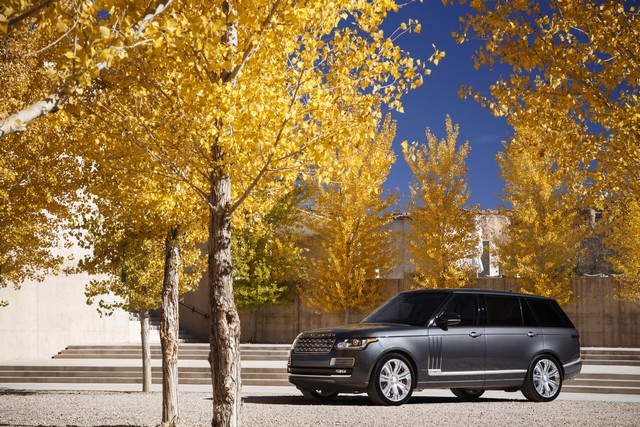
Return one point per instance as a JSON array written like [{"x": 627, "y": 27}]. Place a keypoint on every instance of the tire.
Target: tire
[
  {"x": 467, "y": 393},
  {"x": 319, "y": 395},
  {"x": 543, "y": 381},
  {"x": 392, "y": 381}
]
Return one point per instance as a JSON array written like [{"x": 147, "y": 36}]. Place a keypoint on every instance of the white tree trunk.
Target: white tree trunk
[
  {"x": 146, "y": 351},
  {"x": 18, "y": 122},
  {"x": 169, "y": 330}
]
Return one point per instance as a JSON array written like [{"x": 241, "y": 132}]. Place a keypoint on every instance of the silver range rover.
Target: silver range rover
[{"x": 466, "y": 340}]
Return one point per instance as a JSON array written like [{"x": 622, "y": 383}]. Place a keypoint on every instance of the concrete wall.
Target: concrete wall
[
  {"x": 601, "y": 318},
  {"x": 44, "y": 318}
]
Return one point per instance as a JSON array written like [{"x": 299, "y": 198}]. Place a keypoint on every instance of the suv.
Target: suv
[{"x": 464, "y": 339}]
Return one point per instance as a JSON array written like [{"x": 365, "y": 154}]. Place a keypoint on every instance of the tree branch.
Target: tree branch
[
  {"x": 30, "y": 12},
  {"x": 18, "y": 122}
]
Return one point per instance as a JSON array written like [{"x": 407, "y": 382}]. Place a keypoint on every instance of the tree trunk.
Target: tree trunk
[
  {"x": 169, "y": 329},
  {"x": 146, "y": 351},
  {"x": 224, "y": 334},
  {"x": 254, "y": 326},
  {"x": 347, "y": 315}
]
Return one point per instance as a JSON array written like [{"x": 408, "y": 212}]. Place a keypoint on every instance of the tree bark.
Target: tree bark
[
  {"x": 146, "y": 351},
  {"x": 169, "y": 329},
  {"x": 224, "y": 334},
  {"x": 347, "y": 315}
]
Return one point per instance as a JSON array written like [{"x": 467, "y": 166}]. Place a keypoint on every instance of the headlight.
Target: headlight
[{"x": 355, "y": 343}]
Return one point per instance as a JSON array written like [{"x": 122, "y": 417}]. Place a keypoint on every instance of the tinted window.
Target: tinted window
[
  {"x": 549, "y": 313},
  {"x": 466, "y": 306},
  {"x": 527, "y": 314},
  {"x": 503, "y": 310},
  {"x": 408, "y": 309}
]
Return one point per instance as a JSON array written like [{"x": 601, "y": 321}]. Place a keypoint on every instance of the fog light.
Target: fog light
[{"x": 342, "y": 362}]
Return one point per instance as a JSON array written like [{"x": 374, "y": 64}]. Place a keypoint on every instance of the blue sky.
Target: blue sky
[{"x": 427, "y": 106}]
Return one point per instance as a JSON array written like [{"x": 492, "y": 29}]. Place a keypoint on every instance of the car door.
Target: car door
[
  {"x": 457, "y": 352},
  {"x": 513, "y": 339}
]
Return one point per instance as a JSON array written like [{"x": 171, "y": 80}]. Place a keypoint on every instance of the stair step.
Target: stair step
[
  {"x": 611, "y": 362},
  {"x": 600, "y": 390}
]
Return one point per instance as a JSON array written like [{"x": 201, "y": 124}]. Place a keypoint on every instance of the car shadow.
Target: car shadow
[{"x": 350, "y": 400}]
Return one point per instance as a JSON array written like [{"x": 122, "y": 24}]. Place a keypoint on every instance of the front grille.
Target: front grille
[{"x": 315, "y": 343}]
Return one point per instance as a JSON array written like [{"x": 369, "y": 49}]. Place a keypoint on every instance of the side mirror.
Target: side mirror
[{"x": 448, "y": 319}]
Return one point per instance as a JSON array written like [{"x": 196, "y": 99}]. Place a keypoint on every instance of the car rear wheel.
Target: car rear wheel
[
  {"x": 320, "y": 395},
  {"x": 392, "y": 381},
  {"x": 467, "y": 393},
  {"x": 543, "y": 381}
]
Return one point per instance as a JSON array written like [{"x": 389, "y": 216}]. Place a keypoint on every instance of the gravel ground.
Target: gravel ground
[{"x": 91, "y": 408}]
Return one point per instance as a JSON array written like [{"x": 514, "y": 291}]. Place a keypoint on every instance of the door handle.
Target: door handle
[
  {"x": 531, "y": 334},
  {"x": 474, "y": 335}
]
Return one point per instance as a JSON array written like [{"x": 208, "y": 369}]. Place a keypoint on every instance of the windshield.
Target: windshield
[{"x": 412, "y": 308}]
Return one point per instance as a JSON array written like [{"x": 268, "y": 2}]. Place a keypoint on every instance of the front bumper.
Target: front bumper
[{"x": 336, "y": 371}]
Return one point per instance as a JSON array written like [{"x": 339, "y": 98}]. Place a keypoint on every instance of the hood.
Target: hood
[{"x": 363, "y": 330}]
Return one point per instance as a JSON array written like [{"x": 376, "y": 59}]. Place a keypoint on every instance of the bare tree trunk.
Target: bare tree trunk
[
  {"x": 347, "y": 315},
  {"x": 146, "y": 351},
  {"x": 169, "y": 329},
  {"x": 224, "y": 334},
  {"x": 254, "y": 326}
]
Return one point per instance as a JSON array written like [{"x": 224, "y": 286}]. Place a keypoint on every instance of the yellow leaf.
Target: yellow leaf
[
  {"x": 417, "y": 29},
  {"x": 61, "y": 26},
  {"x": 105, "y": 31}
]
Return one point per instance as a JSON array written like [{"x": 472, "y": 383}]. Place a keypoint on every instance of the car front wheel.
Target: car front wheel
[
  {"x": 543, "y": 381},
  {"x": 392, "y": 381}
]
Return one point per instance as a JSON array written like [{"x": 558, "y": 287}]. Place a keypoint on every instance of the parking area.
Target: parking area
[{"x": 285, "y": 407}]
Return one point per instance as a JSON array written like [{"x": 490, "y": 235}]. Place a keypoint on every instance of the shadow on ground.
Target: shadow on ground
[{"x": 347, "y": 400}]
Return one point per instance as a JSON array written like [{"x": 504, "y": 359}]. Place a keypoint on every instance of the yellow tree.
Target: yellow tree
[
  {"x": 252, "y": 94},
  {"x": 352, "y": 249},
  {"x": 244, "y": 92},
  {"x": 38, "y": 183},
  {"x": 541, "y": 246},
  {"x": 622, "y": 227},
  {"x": 125, "y": 238},
  {"x": 52, "y": 51},
  {"x": 444, "y": 239},
  {"x": 145, "y": 231},
  {"x": 572, "y": 61}
]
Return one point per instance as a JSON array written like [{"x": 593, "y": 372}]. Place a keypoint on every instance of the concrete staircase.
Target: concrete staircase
[
  {"x": 187, "y": 351},
  {"x": 604, "y": 372},
  {"x": 608, "y": 371},
  {"x": 611, "y": 356},
  {"x": 120, "y": 364}
]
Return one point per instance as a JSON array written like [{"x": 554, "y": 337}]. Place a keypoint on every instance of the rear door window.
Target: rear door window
[
  {"x": 503, "y": 310},
  {"x": 549, "y": 313}
]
